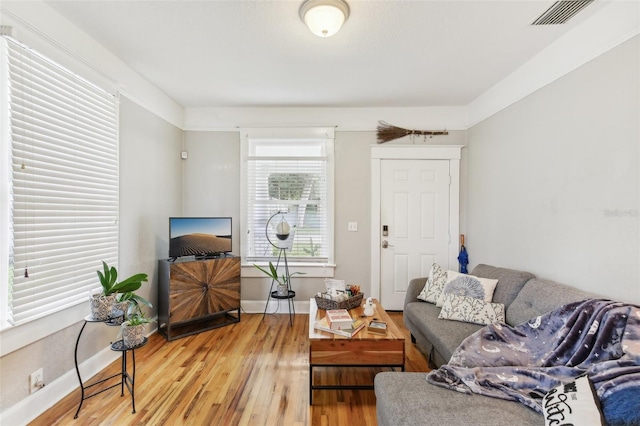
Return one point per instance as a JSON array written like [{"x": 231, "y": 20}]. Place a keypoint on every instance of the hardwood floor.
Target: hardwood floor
[{"x": 255, "y": 372}]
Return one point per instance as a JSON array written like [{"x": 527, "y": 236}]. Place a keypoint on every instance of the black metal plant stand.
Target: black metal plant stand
[
  {"x": 125, "y": 378},
  {"x": 290, "y": 293},
  {"x": 282, "y": 255}
]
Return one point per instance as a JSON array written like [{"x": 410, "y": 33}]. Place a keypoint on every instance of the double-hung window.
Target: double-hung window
[
  {"x": 287, "y": 174},
  {"x": 59, "y": 184}
]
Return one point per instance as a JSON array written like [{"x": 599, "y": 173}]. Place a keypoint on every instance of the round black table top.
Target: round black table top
[
  {"x": 275, "y": 295},
  {"x": 109, "y": 321},
  {"x": 120, "y": 346}
]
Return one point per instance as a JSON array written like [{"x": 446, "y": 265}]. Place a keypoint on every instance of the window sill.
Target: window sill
[
  {"x": 16, "y": 337},
  {"x": 310, "y": 270}
]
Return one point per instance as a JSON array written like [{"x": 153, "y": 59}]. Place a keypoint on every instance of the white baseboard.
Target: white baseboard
[
  {"x": 37, "y": 403},
  {"x": 277, "y": 306}
]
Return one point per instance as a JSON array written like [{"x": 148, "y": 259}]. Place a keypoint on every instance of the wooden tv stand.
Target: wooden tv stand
[{"x": 197, "y": 295}]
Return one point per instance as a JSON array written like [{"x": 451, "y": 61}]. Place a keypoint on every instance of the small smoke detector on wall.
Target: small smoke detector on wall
[
  {"x": 6, "y": 30},
  {"x": 184, "y": 155}
]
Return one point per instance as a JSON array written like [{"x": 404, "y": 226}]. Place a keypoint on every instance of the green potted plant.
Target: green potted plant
[
  {"x": 283, "y": 281},
  {"x": 129, "y": 304},
  {"x": 132, "y": 302},
  {"x": 133, "y": 329},
  {"x": 102, "y": 304}
]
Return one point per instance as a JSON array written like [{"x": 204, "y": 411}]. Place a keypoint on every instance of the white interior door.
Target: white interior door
[{"x": 414, "y": 208}]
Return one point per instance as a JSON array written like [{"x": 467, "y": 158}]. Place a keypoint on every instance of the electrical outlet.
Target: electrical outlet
[
  {"x": 352, "y": 226},
  {"x": 36, "y": 380}
]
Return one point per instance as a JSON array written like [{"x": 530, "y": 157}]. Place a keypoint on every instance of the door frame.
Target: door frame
[{"x": 453, "y": 154}]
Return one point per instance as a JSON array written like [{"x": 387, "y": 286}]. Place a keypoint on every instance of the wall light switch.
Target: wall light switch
[
  {"x": 352, "y": 226},
  {"x": 184, "y": 155}
]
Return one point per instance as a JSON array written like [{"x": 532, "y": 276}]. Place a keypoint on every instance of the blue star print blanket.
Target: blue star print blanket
[{"x": 599, "y": 338}]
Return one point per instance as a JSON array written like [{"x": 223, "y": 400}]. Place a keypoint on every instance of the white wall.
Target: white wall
[
  {"x": 554, "y": 183},
  {"x": 150, "y": 192},
  {"x": 211, "y": 177}
]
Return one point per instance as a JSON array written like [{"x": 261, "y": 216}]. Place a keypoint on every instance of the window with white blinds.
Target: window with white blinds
[
  {"x": 289, "y": 171},
  {"x": 62, "y": 180}
]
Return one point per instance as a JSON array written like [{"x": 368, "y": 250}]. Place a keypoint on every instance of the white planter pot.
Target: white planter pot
[
  {"x": 119, "y": 312},
  {"x": 282, "y": 290},
  {"x": 133, "y": 335},
  {"x": 101, "y": 306}
]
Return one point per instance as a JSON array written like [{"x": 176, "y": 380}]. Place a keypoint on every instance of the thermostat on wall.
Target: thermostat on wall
[{"x": 184, "y": 155}]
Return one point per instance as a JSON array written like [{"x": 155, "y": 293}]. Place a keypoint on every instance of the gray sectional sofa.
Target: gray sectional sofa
[{"x": 405, "y": 398}]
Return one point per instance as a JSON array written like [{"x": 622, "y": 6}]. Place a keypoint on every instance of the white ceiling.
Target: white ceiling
[{"x": 258, "y": 53}]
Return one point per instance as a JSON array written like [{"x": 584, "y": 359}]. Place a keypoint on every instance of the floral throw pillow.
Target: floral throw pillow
[
  {"x": 470, "y": 309},
  {"x": 468, "y": 285},
  {"x": 435, "y": 283}
]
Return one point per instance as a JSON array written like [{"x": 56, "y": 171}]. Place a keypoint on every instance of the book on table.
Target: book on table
[
  {"x": 339, "y": 319},
  {"x": 377, "y": 327},
  {"x": 323, "y": 325}
]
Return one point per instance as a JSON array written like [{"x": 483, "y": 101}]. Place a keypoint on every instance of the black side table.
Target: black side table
[{"x": 125, "y": 378}]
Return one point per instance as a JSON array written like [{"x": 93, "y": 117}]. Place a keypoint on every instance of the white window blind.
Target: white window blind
[
  {"x": 63, "y": 184},
  {"x": 292, "y": 175}
]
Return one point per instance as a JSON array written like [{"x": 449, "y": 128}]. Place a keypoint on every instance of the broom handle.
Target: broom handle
[{"x": 462, "y": 240}]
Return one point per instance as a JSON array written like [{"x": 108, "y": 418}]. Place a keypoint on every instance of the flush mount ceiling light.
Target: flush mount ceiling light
[{"x": 324, "y": 17}]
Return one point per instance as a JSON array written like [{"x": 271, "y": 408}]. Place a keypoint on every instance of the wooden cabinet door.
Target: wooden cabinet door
[{"x": 201, "y": 288}]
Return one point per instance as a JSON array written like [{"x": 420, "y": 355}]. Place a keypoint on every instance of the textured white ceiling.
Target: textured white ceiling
[{"x": 248, "y": 53}]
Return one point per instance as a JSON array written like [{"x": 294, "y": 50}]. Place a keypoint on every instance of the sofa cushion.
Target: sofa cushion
[
  {"x": 407, "y": 399},
  {"x": 468, "y": 285},
  {"x": 510, "y": 282},
  {"x": 539, "y": 296},
  {"x": 444, "y": 335},
  {"x": 451, "y": 276},
  {"x": 435, "y": 283},
  {"x": 470, "y": 309}
]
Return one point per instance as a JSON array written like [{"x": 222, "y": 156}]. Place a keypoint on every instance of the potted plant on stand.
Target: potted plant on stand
[
  {"x": 102, "y": 304},
  {"x": 282, "y": 288},
  {"x": 134, "y": 319},
  {"x": 129, "y": 304},
  {"x": 133, "y": 329}
]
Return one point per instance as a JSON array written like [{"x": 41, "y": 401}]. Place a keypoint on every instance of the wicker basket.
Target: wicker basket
[{"x": 350, "y": 303}]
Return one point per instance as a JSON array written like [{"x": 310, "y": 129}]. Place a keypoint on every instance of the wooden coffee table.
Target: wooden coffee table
[{"x": 365, "y": 349}]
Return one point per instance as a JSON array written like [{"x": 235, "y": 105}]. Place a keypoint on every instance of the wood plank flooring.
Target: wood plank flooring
[{"x": 255, "y": 372}]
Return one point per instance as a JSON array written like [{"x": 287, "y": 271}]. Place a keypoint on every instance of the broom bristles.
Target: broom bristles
[{"x": 388, "y": 132}]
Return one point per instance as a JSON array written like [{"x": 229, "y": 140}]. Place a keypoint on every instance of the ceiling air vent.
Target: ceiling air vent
[{"x": 561, "y": 11}]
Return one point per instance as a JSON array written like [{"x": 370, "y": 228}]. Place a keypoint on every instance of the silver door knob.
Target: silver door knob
[{"x": 386, "y": 244}]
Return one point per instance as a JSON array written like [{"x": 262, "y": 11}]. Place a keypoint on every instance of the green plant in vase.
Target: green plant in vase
[
  {"x": 283, "y": 280},
  {"x": 102, "y": 304},
  {"x": 109, "y": 276},
  {"x": 133, "y": 329},
  {"x": 132, "y": 303}
]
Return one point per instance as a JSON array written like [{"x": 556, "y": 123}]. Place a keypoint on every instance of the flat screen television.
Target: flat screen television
[{"x": 201, "y": 237}]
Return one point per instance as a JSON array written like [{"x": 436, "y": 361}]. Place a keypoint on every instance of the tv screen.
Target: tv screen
[{"x": 199, "y": 236}]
